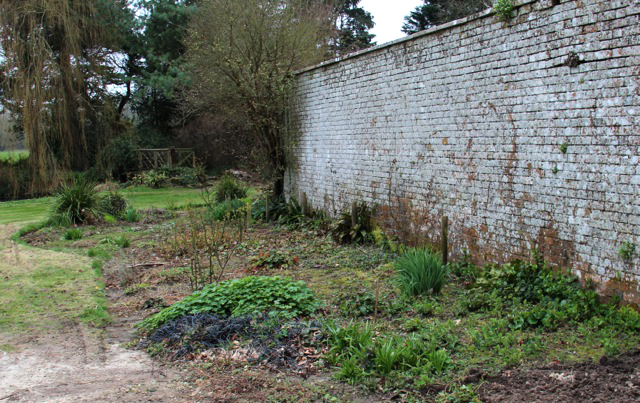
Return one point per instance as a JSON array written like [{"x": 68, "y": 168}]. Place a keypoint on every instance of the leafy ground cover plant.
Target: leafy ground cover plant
[
  {"x": 420, "y": 272},
  {"x": 243, "y": 296}
]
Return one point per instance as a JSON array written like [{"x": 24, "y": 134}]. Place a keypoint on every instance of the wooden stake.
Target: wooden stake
[
  {"x": 354, "y": 211},
  {"x": 305, "y": 205},
  {"x": 444, "y": 240}
]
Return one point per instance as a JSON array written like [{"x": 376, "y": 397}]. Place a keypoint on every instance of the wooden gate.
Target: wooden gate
[{"x": 154, "y": 158}]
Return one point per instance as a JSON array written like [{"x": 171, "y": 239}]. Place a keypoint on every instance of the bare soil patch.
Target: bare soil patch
[{"x": 611, "y": 379}]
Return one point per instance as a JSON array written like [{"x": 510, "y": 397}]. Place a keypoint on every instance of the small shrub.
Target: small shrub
[
  {"x": 73, "y": 234},
  {"x": 113, "y": 204},
  {"x": 419, "y": 272},
  {"x": 344, "y": 231},
  {"x": 109, "y": 219},
  {"x": 75, "y": 202},
  {"x": 228, "y": 188},
  {"x": 183, "y": 176},
  {"x": 132, "y": 215},
  {"x": 504, "y": 9},
  {"x": 243, "y": 296},
  {"x": 152, "y": 178}
]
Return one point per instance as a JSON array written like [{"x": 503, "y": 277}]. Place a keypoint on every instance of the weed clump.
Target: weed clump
[
  {"x": 72, "y": 234},
  {"x": 228, "y": 188},
  {"x": 420, "y": 271},
  {"x": 243, "y": 296}
]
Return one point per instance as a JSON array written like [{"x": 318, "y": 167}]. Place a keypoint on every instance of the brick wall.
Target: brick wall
[{"x": 526, "y": 134}]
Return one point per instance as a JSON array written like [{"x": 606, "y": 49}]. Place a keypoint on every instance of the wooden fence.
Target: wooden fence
[{"x": 154, "y": 158}]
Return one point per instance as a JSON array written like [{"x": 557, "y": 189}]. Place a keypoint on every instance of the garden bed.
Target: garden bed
[{"x": 498, "y": 333}]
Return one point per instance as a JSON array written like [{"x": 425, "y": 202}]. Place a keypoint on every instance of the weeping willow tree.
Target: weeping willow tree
[{"x": 55, "y": 58}]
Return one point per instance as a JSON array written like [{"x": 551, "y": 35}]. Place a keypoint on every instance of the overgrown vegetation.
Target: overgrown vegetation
[{"x": 417, "y": 335}]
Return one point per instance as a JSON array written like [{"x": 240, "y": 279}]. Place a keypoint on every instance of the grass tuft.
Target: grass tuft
[{"x": 420, "y": 272}]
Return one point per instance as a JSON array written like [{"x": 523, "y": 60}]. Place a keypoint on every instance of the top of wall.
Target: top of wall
[{"x": 426, "y": 32}]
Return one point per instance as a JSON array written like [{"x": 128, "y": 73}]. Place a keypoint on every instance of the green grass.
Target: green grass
[
  {"x": 13, "y": 155},
  {"x": 24, "y": 211},
  {"x": 32, "y": 210},
  {"x": 43, "y": 290}
]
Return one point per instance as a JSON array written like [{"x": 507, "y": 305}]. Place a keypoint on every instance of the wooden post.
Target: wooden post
[
  {"x": 354, "y": 212},
  {"x": 444, "y": 240},
  {"x": 305, "y": 205},
  {"x": 155, "y": 160},
  {"x": 248, "y": 215},
  {"x": 139, "y": 159}
]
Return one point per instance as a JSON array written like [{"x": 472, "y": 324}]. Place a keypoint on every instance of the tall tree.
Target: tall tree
[
  {"x": 164, "y": 25},
  {"x": 55, "y": 71},
  {"x": 352, "y": 27},
  {"x": 436, "y": 12},
  {"x": 243, "y": 54}
]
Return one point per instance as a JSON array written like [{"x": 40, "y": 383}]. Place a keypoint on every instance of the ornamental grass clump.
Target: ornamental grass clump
[
  {"x": 420, "y": 271},
  {"x": 75, "y": 202}
]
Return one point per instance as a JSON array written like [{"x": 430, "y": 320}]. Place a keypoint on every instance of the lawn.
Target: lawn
[{"x": 32, "y": 210}]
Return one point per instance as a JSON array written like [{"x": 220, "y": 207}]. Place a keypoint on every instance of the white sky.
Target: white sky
[{"x": 389, "y": 17}]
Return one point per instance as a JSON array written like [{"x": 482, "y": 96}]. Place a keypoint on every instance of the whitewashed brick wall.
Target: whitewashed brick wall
[{"x": 468, "y": 120}]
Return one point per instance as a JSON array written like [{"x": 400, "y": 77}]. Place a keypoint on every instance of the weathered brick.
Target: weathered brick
[{"x": 467, "y": 121}]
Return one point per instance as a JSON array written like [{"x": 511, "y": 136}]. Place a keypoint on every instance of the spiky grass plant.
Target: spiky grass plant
[
  {"x": 75, "y": 202},
  {"x": 420, "y": 271}
]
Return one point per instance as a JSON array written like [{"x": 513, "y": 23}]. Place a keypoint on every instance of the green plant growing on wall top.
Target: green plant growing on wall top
[{"x": 504, "y": 9}]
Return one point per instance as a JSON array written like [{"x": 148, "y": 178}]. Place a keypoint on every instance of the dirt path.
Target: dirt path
[{"x": 74, "y": 362}]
